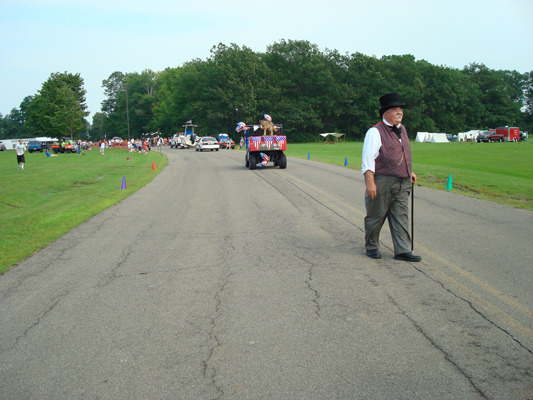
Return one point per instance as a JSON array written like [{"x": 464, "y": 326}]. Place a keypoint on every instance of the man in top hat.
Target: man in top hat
[{"x": 389, "y": 179}]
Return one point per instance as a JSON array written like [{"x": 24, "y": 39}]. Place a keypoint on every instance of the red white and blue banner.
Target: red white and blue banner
[{"x": 266, "y": 143}]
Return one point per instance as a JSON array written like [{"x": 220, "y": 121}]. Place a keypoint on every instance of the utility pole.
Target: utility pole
[{"x": 127, "y": 112}]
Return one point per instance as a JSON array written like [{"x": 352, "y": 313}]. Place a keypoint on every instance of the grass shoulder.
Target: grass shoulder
[
  {"x": 53, "y": 195},
  {"x": 500, "y": 172}
]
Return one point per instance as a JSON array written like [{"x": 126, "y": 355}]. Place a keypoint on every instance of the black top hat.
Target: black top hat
[{"x": 388, "y": 101}]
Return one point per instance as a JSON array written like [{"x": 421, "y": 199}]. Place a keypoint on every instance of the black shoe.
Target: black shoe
[
  {"x": 408, "y": 257},
  {"x": 373, "y": 254}
]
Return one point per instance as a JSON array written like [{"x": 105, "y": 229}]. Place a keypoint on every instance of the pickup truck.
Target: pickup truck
[
  {"x": 175, "y": 141},
  {"x": 488, "y": 136},
  {"x": 500, "y": 134}
]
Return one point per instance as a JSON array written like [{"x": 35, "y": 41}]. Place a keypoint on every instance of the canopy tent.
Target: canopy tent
[
  {"x": 335, "y": 135},
  {"x": 427, "y": 137},
  {"x": 438, "y": 138},
  {"x": 421, "y": 136},
  {"x": 469, "y": 136}
]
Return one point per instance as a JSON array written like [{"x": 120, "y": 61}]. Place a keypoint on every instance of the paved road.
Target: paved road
[{"x": 216, "y": 282}]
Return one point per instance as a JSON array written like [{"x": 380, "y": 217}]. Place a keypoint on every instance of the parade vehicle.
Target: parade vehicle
[
  {"x": 65, "y": 145},
  {"x": 264, "y": 143},
  {"x": 207, "y": 143},
  {"x": 175, "y": 141},
  {"x": 187, "y": 139}
]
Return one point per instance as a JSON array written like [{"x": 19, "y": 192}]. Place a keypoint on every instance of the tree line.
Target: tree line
[{"x": 308, "y": 90}]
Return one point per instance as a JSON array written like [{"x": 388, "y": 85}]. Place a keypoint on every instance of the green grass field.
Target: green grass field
[
  {"x": 55, "y": 194},
  {"x": 500, "y": 172}
]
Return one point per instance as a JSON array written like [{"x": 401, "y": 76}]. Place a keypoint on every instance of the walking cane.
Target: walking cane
[{"x": 412, "y": 217}]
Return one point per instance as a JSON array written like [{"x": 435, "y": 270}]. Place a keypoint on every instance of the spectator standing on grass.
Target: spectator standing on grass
[
  {"x": 20, "y": 149},
  {"x": 389, "y": 179},
  {"x": 102, "y": 147}
]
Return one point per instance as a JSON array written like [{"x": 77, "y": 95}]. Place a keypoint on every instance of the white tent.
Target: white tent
[
  {"x": 438, "y": 138},
  {"x": 468, "y": 136},
  {"x": 428, "y": 137},
  {"x": 335, "y": 135},
  {"x": 421, "y": 136}
]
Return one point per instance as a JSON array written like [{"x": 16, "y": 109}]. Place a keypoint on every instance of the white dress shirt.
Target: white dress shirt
[{"x": 371, "y": 148}]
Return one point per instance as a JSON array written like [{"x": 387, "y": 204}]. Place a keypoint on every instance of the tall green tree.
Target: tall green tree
[
  {"x": 97, "y": 127},
  {"x": 312, "y": 91},
  {"x": 141, "y": 90},
  {"x": 167, "y": 117},
  {"x": 239, "y": 87},
  {"x": 114, "y": 106},
  {"x": 59, "y": 108},
  {"x": 13, "y": 125},
  {"x": 306, "y": 86},
  {"x": 67, "y": 118},
  {"x": 501, "y": 94}
]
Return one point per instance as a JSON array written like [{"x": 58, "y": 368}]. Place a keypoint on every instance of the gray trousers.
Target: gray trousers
[{"x": 392, "y": 202}]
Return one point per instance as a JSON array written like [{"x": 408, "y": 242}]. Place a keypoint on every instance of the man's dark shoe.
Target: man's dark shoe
[
  {"x": 373, "y": 254},
  {"x": 408, "y": 257}
]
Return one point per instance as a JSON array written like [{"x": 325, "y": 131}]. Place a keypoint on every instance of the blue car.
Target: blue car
[{"x": 35, "y": 145}]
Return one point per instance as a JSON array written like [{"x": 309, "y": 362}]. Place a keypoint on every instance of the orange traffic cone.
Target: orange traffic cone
[{"x": 153, "y": 166}]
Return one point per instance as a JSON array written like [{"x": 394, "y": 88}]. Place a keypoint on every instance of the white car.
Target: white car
[{"x": 207, "y": 143}]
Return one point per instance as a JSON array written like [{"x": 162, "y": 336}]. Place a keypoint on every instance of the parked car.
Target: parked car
[
  {"x": 207, "y": 143},
  {"x": 117, "y": 139},
  {"x": 35, "y": 145},
  {"x": 2, "y": 147},
  {"x": 227, "y": 144}
]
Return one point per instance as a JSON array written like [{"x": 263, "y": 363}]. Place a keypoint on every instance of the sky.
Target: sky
[{"x": 97, "y": 37}]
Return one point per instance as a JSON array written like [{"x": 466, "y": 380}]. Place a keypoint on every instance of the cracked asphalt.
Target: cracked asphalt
[{"x": 217, "y": 282}]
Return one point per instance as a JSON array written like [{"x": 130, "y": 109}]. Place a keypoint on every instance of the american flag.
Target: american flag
[
  {"x": 281, "y": 140},
  {"x": 189, "y": 121},
  {"x": 255, "y": 142},
  {"x": 268, "y": 141}
]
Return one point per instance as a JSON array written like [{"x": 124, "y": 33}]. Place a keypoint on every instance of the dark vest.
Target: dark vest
[{"x": 394, "y": 158}]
